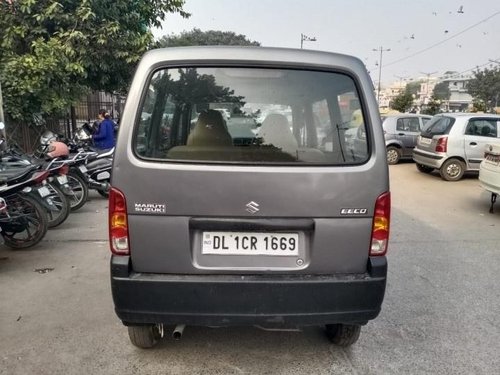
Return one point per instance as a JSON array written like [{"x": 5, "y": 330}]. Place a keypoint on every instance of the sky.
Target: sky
[{"x": 425, "y": 37}]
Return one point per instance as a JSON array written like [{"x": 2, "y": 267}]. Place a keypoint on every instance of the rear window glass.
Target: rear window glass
[
  {"x": 251, "y": 115},
  {"x": 439, "y": 125}
]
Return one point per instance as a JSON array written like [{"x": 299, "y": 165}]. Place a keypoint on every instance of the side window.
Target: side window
[
  {"x": 409, "y": 124},
  {"x": 482, "y": 128}
]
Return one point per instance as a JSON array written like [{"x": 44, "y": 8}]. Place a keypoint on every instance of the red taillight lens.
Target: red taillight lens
[
  {"x": 64, "y": 169},
  {"x": 442, "y": 144},
  {"x": 118, "y": 228},
  {"x": 381, "y": 224},
  {"x": 39, "y": 177}
]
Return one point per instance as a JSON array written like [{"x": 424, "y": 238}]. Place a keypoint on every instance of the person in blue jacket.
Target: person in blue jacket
[{"x": 104, "y": 136}]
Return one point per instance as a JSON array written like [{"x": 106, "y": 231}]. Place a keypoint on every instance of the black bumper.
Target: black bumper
[{"x": 223, "y": 300}]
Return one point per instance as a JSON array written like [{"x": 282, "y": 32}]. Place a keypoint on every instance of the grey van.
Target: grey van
[{"x": 250, "y": 219}]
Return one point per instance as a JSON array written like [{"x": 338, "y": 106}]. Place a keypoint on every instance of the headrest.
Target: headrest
[
  {"x": 210, "y": 130},
  {"x": 275, "y": 130}
]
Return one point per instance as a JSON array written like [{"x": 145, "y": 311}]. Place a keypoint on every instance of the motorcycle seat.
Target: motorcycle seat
[{"x": 15, "y": 175}]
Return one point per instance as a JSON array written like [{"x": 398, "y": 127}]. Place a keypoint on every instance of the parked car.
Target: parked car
[
  {"x": 217, "y": 226},
  {"x": 401, "y": 132},
  {"x": 454, "y": 143},
  {"x": 489, "y": 171}
]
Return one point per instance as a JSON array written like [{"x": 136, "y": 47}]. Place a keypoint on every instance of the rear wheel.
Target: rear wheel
[
  {"x": 145, "y": 336},
  {"x": 424, "y": 168},
  {"x": 452, "y": 170},
  {"x": 79, "y": 189},
  {"x": 27, "y": 222},
  {"x": 393, "y": 155},
  {"x": 61, "y": 202},
  {"x": 343, "y": 334}
]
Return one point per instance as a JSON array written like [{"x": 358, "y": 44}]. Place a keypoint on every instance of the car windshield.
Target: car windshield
[
  {"x": 439, "y": 125},
  {"x": 249, "y": 115}
]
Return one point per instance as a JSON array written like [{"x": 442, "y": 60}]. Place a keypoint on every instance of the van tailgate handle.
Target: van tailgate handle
[{"x": 473, "y": 144}]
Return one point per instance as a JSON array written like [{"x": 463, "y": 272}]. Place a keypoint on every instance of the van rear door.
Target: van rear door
[{"x": 284, "y": 192}]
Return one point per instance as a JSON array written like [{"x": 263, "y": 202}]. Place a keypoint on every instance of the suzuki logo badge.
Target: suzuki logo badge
[{"x": 252, "y": 207}]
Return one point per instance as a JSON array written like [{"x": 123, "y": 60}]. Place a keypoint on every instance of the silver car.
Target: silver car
[
  {"x": 401, "y": 132},
  {"x": 454, "y": 143},
  {"x": 219, "y": 222}
]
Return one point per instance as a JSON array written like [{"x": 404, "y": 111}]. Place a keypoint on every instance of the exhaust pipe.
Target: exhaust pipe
[{"x": 178, "y": 330}]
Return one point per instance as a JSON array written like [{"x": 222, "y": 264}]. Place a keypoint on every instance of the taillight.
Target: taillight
[
  {"x": 381, "y": 224},
  {"x": 442, "y": 144},
  {"x": 118, "y": 228},
  {"x": 39, "y": 177},
  {"x": 64, "y": 169}
]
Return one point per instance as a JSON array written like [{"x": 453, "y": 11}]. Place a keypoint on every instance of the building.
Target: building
[{"x": 460, "y": 100}]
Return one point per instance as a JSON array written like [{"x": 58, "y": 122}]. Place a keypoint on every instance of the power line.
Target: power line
[{"x": 443, "y": 41}]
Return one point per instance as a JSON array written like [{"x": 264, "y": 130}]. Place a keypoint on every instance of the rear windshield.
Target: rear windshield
[
  {"x": 251, "y": 115},
  {"x": 439, "y": 125}
]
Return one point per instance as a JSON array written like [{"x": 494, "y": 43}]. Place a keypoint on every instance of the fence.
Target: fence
[{"x": 27, "y": 135}]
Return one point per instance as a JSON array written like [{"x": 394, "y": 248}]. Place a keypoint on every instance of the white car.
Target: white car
[{"x": 489, "y": 171}]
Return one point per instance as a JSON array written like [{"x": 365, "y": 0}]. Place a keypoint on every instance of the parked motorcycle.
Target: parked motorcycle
[{"x": 23, "y": 219}]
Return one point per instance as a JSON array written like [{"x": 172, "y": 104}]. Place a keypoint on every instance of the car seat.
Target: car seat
[
  {"x": 276, "y": 131},
  {"x": 210, "y": 130}
]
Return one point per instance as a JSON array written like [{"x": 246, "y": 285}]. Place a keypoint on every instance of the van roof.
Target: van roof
[{"x": 251, "y": 55}]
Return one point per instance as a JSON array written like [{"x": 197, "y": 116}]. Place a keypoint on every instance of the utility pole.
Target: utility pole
[
  {"x": 381, "y": 50},
  {"x": 2, "y": 119}
]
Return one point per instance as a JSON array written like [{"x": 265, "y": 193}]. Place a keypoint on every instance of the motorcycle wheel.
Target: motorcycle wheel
[
  {"x": 60, "y": 200},
  {"x": 26, "y": 212},
  {"x": 80, "y": 191}
]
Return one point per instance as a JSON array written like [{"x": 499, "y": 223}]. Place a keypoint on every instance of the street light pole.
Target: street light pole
[
  {"x": 381, "y": 50},
  {"x": 427, "y": 84},
  {"x": 305, "y": 38}
]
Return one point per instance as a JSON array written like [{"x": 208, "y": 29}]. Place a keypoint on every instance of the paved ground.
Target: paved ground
[{"x": 439, "y": 316}]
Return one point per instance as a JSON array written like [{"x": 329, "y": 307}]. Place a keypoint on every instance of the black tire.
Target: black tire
[
  {"x": 144, "y": 337},
  {"x": 424, "y": 168},
  {"x": 343, "y": 334},
  {"x": 393, "y": 155},
  {"x": 29, "y": 212},
  {"x": 80, "y": 190},
  {"x": 452, "y": 170},
  {"x": 61, "y": 201}
]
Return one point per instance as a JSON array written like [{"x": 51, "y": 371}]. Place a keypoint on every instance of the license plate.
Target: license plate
[
  {"x": 82, "y": 168},
  {"x": 62, "y": 179},
  {"x": 493, "y": 158},
  {"x": 425, "y": 141},
  {"x": 250, "y": 243},
  {"x": 43, "y": 191}
]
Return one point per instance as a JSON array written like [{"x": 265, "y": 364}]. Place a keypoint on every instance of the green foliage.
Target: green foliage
[
  {"x": 433, "y": 107},
  {"x": 196, "y": 37},
  {"x": 441, "y": 91},
  {"x": 52, "y": 52},
  {"x": 485, "y": 87},
  {"x": 413, "y": 87},
  {"x": 403, "y": 102}
]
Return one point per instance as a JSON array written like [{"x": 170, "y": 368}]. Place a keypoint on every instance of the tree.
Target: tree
[
  {"x": 403, "y": 102},
  {"x": 413, "y": 87},
  {"x": 433, "y": 107},
  {"x": 485, "y": 87},
  {"x": 196, "y": 37},
  {"x": 441, "y": 91},
  {"x": 53, "y": 52}
]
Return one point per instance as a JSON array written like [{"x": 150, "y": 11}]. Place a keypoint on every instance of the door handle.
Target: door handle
[
  {"x": 401, "y": 133},
  {"x": 473, "y": 144}
]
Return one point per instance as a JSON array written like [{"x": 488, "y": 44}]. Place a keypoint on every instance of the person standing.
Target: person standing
[{"x": 104, "y": 136}]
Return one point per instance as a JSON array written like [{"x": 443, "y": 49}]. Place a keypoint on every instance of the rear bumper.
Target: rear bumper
[
  {"x": 223, "y": 300},
  {"x": 489, "y": 178},
  {"x": 428, "y": 159}
]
